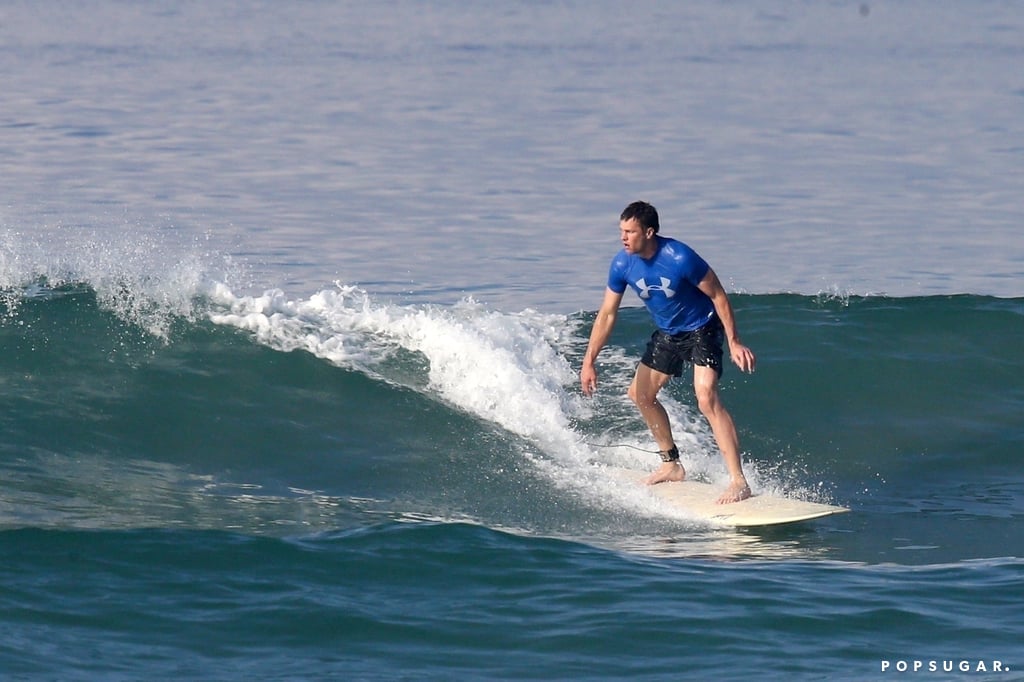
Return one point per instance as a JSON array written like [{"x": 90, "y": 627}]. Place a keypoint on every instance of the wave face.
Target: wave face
[
  {"x": 276, "y": 415},
  {"x": 346, "y": 486}
]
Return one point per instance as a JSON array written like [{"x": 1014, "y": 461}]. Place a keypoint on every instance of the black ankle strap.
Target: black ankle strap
[{"x": 669, "y": 455}]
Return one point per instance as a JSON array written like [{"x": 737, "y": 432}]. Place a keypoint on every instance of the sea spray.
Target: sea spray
[{"x": 148, "y": 278}]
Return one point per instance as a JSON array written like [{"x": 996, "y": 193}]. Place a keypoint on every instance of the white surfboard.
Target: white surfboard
[{"x": 699, "y": 500}]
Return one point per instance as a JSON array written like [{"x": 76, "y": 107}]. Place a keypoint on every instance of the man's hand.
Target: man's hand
[
  {"x": 743, "y": 357},
  {"x": 588, "y": 379}
]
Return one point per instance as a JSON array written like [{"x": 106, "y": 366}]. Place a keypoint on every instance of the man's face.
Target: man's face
[{"x": 635, "y": 239}]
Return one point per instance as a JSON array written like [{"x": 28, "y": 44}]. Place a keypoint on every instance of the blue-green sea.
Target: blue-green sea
[{"x": 293, "y": 298}]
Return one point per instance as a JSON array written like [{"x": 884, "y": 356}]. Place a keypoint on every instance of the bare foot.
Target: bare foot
[
  {"x": 734, "y": 493},
  {"x": 668, "y": 471}
]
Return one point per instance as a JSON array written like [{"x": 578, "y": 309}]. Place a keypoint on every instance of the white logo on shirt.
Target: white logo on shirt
[{"x": 645, "y": 289}]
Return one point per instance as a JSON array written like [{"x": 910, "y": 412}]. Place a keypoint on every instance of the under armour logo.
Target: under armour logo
[{"x": 644, "y": 290}]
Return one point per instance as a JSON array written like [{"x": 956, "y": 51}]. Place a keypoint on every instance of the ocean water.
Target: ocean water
[{"x": 293, "y": 298}]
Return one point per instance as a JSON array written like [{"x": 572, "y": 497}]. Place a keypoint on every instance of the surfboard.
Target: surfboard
[{"x": 698, "y": 500}]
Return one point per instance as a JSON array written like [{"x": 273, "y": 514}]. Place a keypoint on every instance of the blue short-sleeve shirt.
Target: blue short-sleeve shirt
[{"x": 667, "y": 284}]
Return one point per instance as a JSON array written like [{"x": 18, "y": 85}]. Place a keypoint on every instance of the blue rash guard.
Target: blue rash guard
[{"x": 667, "y": 284}]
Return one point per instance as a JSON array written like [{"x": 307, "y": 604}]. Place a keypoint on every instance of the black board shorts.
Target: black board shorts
[{"x": 669, "y": 353}]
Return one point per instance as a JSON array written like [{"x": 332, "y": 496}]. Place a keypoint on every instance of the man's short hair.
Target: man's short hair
[{"x": 644, "y": 213}]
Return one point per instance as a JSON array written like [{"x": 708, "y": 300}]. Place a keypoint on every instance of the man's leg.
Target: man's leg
[
  {"x": 644, "y": 393},
  {"x": 705, "y": 385}
]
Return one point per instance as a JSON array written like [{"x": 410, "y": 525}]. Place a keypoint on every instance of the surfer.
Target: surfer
[{"x": 693, "y": 316}]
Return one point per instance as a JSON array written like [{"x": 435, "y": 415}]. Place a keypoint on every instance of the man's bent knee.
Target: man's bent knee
[
  {"x": 705, "y": 388},
  {"x": 708, "y": 401},
  {"x": 641, "y": 398}
]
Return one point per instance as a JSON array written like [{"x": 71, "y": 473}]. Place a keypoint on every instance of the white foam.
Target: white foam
[{"x": 502, "y": 367}]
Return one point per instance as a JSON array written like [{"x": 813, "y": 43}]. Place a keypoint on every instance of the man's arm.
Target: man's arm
[
  {"x": 741, "y": 355},
  {"x": 603, "y": 325}
]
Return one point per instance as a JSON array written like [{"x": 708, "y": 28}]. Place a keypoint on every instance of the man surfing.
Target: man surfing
[{"x": 693, "y": 316}]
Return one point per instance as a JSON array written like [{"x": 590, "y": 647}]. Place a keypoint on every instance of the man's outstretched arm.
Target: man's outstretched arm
[{"x": 599, "y": 335}]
